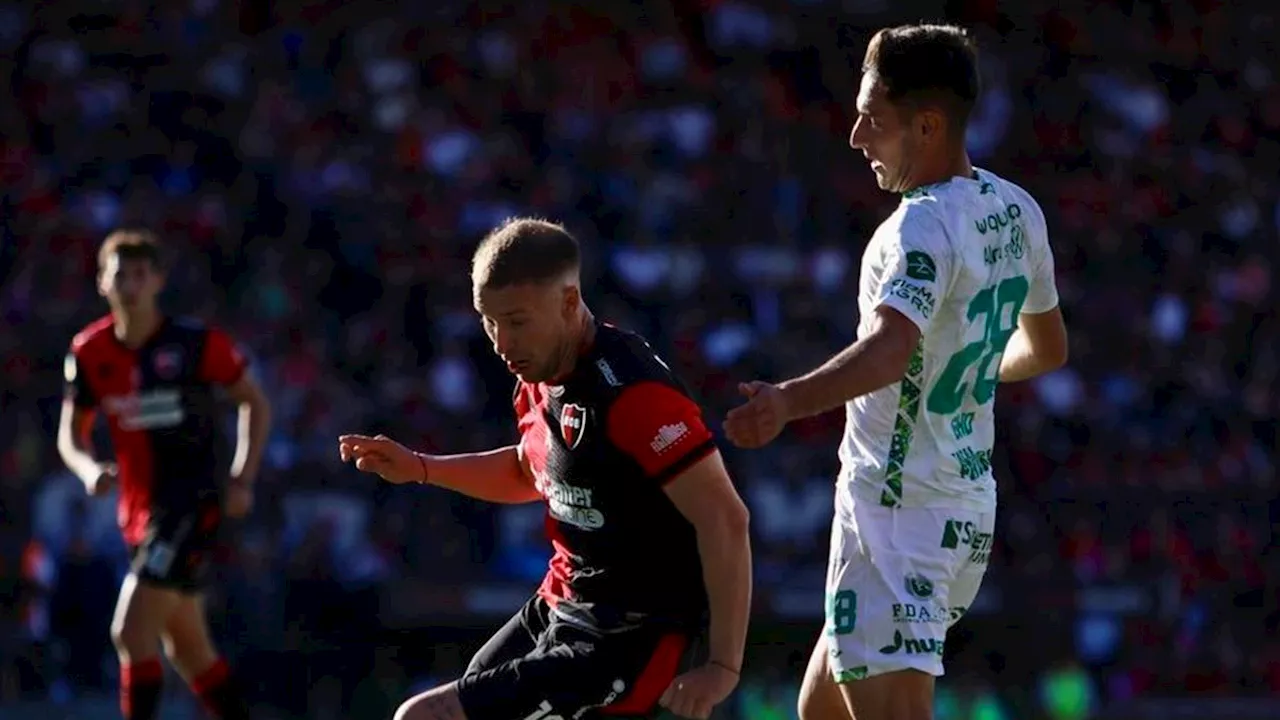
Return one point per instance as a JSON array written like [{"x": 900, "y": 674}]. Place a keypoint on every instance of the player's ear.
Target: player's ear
[
  {"x": 571, "y": 301},
  {"x": 930, "y": 125}
]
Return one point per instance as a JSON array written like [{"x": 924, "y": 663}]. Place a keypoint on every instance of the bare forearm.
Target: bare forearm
[
  {"x": 253, "y": 431},
  {"x": 493, "y": 475},
  {"x": 79, "y": 459},
  {"x": 863, "y": 367},
  {"x": 1020, "y": 361},
  {"x": 726, "y": 569}
]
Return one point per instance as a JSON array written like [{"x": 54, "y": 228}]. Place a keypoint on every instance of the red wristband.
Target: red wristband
[{"x": 422, "y": 460}]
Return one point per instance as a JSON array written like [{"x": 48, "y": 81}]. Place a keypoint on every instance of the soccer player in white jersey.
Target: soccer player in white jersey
[{"x": 956, "y": 295}]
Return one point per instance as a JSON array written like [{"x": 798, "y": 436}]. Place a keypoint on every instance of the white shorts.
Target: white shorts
[{"x": 898, "y": 578}]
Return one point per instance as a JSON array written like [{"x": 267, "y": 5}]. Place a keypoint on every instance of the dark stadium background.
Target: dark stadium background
[{"x": 323, "y": 170}]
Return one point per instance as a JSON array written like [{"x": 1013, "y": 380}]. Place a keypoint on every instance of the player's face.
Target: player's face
[
  {"x": 530, "y": 326},
  {"x": 130, "y": 284},
  {"x": 882, "y": 134}
]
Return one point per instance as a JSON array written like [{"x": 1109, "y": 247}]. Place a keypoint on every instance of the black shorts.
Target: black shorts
[
  {"x": 178, "y": 547},
  {"x": 542, "y": 665}
]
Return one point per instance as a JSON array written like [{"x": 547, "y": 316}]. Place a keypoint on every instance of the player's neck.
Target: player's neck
[
  {"x": 956, "y": 164},
  {"x": 578, "y": 343},
  {"x": 136, "y": 328}
]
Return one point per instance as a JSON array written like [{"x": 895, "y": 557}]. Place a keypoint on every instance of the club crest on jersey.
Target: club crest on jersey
[
  {"x": 573, "y": 422},
  {"x": 167, "y": 362}
]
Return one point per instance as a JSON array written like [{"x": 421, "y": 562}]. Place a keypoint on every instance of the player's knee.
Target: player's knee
[
  {"x": 190, "y": 657},
  {"x": 132, "y": 638}
]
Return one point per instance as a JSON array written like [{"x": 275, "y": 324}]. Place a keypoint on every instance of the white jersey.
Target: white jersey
[{"x": 961, "y": 259}]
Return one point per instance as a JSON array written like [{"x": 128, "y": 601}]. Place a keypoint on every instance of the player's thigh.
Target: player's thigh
[
  {"x": 820, "y": 697},
  {"x": 889, "y": 591},
  {"x": 142, "y": 610},
  {"x": 186, "y": 637},
  {"x": 574, "y": 673},
  {"x": 896, "y": 695}
]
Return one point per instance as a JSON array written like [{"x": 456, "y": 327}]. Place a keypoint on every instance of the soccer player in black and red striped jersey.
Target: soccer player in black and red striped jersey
[
  {"x": 154, "y": 378},
  {"x": 649, "y": 535}
]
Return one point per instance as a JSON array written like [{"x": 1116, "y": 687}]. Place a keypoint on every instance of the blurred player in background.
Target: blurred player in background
[
  {"x": 154, "y": 378},
  {"x": 648, "y": 531},
  {"x": 956, "y": 295}
]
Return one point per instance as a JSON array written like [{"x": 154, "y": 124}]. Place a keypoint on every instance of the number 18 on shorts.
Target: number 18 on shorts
[{"x": 897, "y": 580}]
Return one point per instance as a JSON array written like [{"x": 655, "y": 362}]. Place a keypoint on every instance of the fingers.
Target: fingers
[
  {"x": 372, "y": 462},
  {"x": 683, "y": 699},
  {"x": 750, "y": 425},
  {"x": 357, "y": 446},
  {"x": 673, "y": 699},
  {"x": 669, "y": 695},
  {"x": 738, "y": 431},
  {"x": 749, "y": 389},
  {"x": 356, "y": 438}
]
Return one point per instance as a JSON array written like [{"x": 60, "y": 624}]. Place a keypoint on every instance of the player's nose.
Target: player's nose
[
  {"x": 504, "y": 348},
  {"x": 856, "y": 140}
]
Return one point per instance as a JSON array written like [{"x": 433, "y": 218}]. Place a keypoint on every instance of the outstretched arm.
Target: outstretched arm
[
  {"x": 875, "y": 360},
  {"x": 500, "y": 476},
  {"x": 878, "y": 358},
  {"x": 907, "y": 272}
]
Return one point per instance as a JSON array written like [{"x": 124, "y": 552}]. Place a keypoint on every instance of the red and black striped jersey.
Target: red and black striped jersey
[
  {"x": 160, "y": 407},
  {"x": 601, "y": 446}
]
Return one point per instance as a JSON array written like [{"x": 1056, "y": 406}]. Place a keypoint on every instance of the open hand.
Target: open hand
[
  {"x": 758, "y": 421},
  {"x": 696, "y": 693},
  {"x": 383, "y": 457}
]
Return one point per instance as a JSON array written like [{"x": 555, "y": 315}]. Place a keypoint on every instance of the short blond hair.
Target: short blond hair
[{"x": 524, "y": 250}]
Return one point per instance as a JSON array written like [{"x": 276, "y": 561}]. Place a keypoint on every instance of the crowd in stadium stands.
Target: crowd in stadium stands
[{"x": 323, "y": 172}]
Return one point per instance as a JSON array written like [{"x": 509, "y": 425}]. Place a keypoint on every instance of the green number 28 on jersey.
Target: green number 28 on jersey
[{"x": 996, "y": 308}]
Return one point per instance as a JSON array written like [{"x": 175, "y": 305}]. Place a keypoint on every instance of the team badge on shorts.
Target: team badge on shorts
[{"x": 573, "y": 422}]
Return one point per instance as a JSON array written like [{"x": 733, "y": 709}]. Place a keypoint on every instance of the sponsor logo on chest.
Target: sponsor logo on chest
[
  {"x": 146, "y": 410},
  {"x": 569, "y": 504}
]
